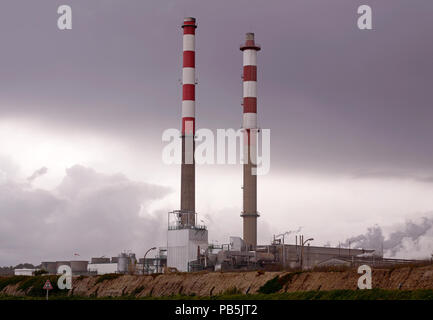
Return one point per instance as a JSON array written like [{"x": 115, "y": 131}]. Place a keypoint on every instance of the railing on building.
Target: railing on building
[{"x": 180, "y": 219}]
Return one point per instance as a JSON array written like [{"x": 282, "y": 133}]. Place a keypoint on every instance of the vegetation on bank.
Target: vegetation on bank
[
  {"x": 108, "y": 276},
  {"x": 32, "y": 286},
  {"x": 374, "y": 294}
]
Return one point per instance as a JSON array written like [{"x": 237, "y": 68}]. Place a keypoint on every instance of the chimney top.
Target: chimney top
[{"x": 249, "y": 36}]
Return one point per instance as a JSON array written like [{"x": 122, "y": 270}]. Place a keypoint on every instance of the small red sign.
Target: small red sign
[{"x": 47, "y": 285}]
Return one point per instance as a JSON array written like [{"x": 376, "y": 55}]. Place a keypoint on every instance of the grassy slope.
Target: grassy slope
[
  {"x": 33, "y": 288},
  {"x": 375, "y": 294}
]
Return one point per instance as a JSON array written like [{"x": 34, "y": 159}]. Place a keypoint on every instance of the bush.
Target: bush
[
  {"x": 5, "y": 281},
  {"x": 40, "y": 272},
  {"x": 271, "y": 286},
  {"x": 232, "y": 291},
  {"x": 137, "y": 290},
  {"x": 276, "y": 284},
  {"x": 33, "y": 286}
]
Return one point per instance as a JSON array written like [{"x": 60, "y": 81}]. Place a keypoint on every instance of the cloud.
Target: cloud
[
  {"x": 414, "y": 240},
  {"x": 8, "y": 169},
  {"x": 392, "y": 174},
  {"x": 90, "y": 213}
]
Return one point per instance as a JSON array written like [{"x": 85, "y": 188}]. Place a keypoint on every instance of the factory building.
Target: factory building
[
  {"x": 77, "y": 267},
  {"x": 102, "y": 268},
  {"x": 103, "y": 265},
  {"x": 24, "y": 272},
  {"x": 185, "y": 243},
  {"x": 125, "y": 262}
]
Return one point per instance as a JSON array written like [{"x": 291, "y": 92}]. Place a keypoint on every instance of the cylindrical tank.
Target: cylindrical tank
[
  {"x": 264, "y": 256},
  {"x": 79, "y": 267},
  {"x": 122, "y": 263},
  {"x": 49, "y": 266},
  {"x": 61, "y": 263},
  {"x": 132, "y": 258}
]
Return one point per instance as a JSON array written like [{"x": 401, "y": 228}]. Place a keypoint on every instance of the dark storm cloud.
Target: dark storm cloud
[
  {"x": 336, "y": 98},
  {"x": 89, "y": 213}
]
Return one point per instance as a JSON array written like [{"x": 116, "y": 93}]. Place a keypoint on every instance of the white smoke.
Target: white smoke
[
  {"x": 413, "y": 240},
  {"x": 38, "y": 173}
]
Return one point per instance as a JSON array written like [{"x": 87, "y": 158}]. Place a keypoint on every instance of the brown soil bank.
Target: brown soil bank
[{"x": 216, "y": 283}]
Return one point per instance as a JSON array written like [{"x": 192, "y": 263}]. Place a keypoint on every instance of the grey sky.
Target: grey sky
[
  {"x": 324, "y": 85},
  {"x": 339, "y": 101}
]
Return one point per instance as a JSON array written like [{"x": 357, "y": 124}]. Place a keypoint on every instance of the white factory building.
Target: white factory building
[{"x": 184, "y": 245}]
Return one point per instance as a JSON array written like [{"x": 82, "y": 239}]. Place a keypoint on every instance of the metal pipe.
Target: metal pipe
[
  {"x": 144, "y": 258},
  {"x": 302, "y": 250},
  {"x": 284, "y": 254}
]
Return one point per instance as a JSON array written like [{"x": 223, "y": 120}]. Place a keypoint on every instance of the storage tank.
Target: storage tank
[
  {"x": 79, "y": 267},
  {"x": 123, "y": 263},
  {"x": 264, "y": 256},
  {"x": 132, "y": 258},
  {"x": 61, "y": 263},
  {"x": 49, "y": 266}
]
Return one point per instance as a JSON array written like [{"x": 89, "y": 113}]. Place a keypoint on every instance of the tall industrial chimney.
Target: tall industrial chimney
[
  {"x": 185, "y": 238},
  {"x": 250, "y": 130},
  {"x": 187, "y": 197}
]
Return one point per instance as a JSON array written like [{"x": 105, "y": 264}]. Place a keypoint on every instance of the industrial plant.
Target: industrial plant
[{"x": 188, "y": 248}]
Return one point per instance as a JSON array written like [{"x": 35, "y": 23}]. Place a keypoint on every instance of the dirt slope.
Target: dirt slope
[{"x": 215, "y": 283}]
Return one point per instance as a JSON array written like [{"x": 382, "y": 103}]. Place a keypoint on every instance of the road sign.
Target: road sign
[{"x": 47, "y": 285}]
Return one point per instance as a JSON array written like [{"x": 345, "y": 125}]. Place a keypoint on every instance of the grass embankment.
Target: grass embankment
[
  {"x": 374, "y": 294},
  {"x": 32, "y": 286}
]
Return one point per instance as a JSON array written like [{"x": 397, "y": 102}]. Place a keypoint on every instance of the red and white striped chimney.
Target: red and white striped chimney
[
  {"x": 188, "y": 75},
  {"x": 187, "y": 202},
  {"x": 249, "y": 125}
]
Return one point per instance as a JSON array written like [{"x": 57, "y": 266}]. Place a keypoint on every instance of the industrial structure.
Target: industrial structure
[
  {"x": 77, "y": 267},
  {"x": 187, "y": 242},
  {"x": 185, "y": 239},
  {"x": 250, "y": 130},
  {"x": 188, "y": 248},
  {"x": 25, "y": 272},
  {"x": 187, "y": 197},
  {"x": 125, "y": 262}
]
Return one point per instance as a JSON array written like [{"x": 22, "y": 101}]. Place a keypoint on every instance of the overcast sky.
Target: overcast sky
[{"x": 82, "y": 113}]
